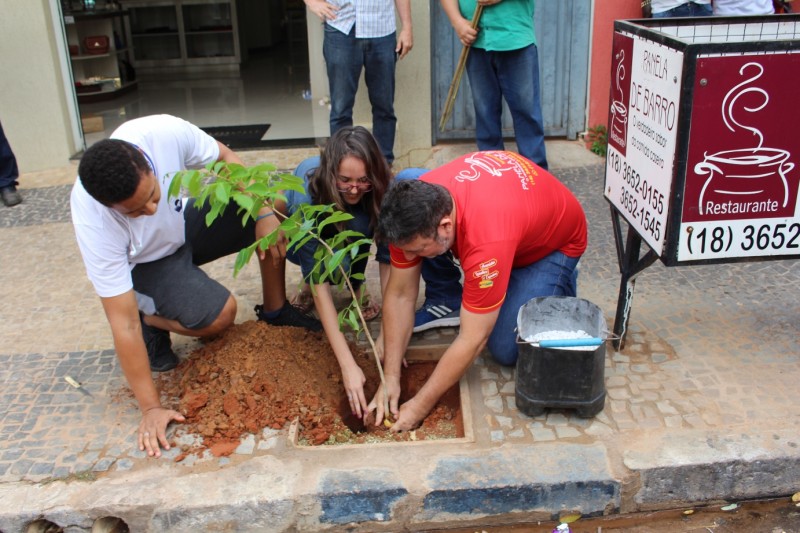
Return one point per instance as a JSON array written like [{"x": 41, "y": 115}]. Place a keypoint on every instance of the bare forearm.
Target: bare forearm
[
  {"x": 398, "y": 322},
  {"x": 135, "y": 365},
  {"x": 452, "y": 11},
  {"x": 471, "y": 339},
  {"x": 453, "y": 364},
  {"x": 228, "y": 155},
  {"x": 126, "y": 329},
  {"x": 323, "y": 301},
  {"x": 404, "y": 13},
  {"x": 384, "y": 271}
]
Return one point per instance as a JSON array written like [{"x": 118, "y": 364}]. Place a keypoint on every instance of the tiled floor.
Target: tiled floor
[{"x": 269, "y": 89}]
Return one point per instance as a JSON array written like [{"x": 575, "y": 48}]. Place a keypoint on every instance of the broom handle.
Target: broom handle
[{"x": 462, "y": 61}]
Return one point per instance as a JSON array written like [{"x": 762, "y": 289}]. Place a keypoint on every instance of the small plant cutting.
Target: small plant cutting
[{"x": 250, "y": 189}]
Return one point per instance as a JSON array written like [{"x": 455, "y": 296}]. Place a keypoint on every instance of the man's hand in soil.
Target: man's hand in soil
[
  {"x": 377, "y": 403},
  {"x": 153, "y": 429},
  {"x": 411, "y": 415}
]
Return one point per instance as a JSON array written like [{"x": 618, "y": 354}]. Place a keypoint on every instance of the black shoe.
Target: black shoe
[
  {"x": 10, "y": 196},
  {"x": 289, "y": 316},
  {"x": 159, "y": 348}
]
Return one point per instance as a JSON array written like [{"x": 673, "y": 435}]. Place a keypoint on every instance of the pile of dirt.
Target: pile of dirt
[{"x": 258, "y": 376}]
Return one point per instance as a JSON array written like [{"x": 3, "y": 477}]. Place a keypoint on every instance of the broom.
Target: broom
[{"x": 462, "y": 61}]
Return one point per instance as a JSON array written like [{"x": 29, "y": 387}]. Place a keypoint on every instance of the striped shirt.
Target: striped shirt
[{"x": 372, "y": 18}]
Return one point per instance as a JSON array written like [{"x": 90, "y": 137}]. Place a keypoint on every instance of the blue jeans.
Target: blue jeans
[
  {"x": 344, "y": 58},
  {"x": 442, "y": 276},
  {"x": 554, "y": 275},
  {"x": 513, "y": 75},
  {"x": 689, "y": 9},
  {"x": 8, "y": 163}
]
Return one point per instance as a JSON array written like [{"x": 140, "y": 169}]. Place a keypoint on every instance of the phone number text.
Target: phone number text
[
  {"x": 639, "y": 198},
  {"x": 750, "y": 239}
]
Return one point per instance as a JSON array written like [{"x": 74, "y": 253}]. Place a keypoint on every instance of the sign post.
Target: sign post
[{"x": 699, "y": 163}]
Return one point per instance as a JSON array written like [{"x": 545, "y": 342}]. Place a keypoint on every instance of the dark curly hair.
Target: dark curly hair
[
  {"x": 411, "y": 209},
  {"x": 111, "y": 169}
]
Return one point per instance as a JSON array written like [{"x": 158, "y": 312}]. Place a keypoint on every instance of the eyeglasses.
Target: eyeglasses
[{"x": 362, "y": 184}]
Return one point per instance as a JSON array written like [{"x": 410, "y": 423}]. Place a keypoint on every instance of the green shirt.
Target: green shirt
[{"x": 504, "y": 26}]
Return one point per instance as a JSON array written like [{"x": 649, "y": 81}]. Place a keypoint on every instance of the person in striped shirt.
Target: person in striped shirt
[{"x": 362, "y": 35}]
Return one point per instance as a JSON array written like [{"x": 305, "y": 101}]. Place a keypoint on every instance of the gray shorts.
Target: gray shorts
[{"x": 174, "y": 287}]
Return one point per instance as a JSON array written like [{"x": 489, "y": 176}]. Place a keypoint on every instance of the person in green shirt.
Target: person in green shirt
[{"x": 503, "y": 63}]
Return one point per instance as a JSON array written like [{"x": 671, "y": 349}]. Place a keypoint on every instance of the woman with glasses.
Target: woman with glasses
[{"x": 352, "y": 174}]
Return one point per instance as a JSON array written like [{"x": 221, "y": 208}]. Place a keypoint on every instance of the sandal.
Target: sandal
[
  {"x": 303, "y": 301},
  {"x": 371, "y": 309}
]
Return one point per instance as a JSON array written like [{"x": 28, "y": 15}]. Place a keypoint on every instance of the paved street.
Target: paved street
[{"x": 701, "y": 404}]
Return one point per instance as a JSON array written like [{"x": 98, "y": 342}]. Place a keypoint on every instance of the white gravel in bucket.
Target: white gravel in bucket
[{"x": 562, "y": 335}]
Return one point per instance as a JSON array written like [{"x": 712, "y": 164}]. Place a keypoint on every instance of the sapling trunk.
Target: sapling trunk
[{"x": 364, "y": 325}]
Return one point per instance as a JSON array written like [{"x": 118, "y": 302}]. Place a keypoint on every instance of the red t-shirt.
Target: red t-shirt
[{"x": 509, "y": 213}]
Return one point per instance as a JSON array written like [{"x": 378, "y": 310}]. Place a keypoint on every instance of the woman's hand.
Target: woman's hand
[{"x": 354, "y": 379}]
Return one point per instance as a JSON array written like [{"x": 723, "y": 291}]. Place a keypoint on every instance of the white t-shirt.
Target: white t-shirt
[
  {"x": 659, "y": 6},
  {"x": 111, "y": 243},
  {"x": 743, "y": 7}
]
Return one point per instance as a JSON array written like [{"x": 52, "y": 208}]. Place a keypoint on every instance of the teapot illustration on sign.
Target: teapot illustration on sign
[
  {"x": 745, "y": 174},
  {"x": 619, "y": 112}
]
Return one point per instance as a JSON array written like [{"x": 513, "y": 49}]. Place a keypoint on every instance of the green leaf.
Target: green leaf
[
  {"x": 213, "y": 213},
  {"x": 265, "y": 167},
  {"x": 302, "y": 242},
  {"x": 291, "y": 183},
  {"x": 195, "y": 184},
  {"x": 239, "y": 174},
  {"x": 335, "y": 217},
  {"x": 244, "y": 201},
  {"x": 187, "y": 177},
  {"x": 243, "y": 257},
  {"x": 175, "y": 185},
  {"x": 217, "y": 167},
  {"x": 335, "y": 260},
  {"x": 221, "y": 193},
  {"x": 257, "y": 189}
]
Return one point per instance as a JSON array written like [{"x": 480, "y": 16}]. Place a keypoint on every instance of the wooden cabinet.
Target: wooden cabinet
[
  {"x": 184, "y": 34},
  {"x": 100, "y": 55}
]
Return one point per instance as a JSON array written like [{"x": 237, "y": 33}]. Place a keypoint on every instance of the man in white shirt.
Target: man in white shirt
[
  {"x": 362, "y": 34},
  {"x": 743, "y": 7},
  {"x": 142, "y": 252}
]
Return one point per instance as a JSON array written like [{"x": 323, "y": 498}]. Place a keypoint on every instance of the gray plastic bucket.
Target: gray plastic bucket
[{"x": 561, "y": 378}]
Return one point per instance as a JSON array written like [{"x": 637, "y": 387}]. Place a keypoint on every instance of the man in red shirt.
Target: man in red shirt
[{"x": 517, "y": 232}]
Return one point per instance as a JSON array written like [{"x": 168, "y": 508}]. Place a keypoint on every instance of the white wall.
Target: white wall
[
  {"x": 412, "y": 99},
  {"x": 33, "y": 105}
]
